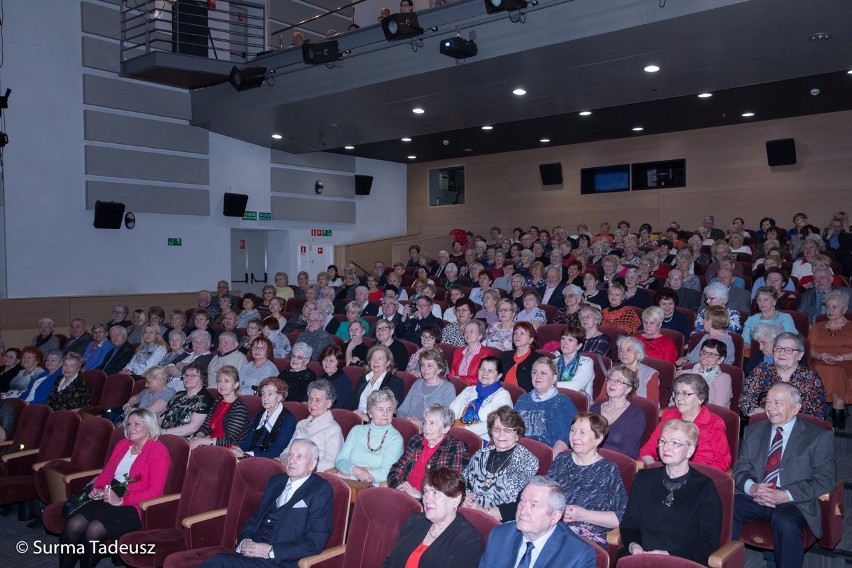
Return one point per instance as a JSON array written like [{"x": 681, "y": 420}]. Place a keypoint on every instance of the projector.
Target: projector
[{"x": 458, "y": 47}]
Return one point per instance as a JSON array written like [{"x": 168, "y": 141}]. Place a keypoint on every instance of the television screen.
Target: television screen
[
  {"x": 605, "y": 179},
  {"x": 613, "y": 181}
]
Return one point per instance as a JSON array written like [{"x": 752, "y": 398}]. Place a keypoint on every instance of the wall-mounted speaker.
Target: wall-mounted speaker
[
  {"x": 363, "y": 185},
  {"x": 781, "y": 152},
  {"x": 108, "y": 215},
  {"x": 235, "y": 204},
  {"x": 551, "y": 174}
]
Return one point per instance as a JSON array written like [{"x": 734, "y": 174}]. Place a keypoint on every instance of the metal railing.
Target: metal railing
[{"x": 233, "y": 31}]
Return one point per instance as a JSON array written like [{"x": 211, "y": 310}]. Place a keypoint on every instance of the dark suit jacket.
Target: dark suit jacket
[
  {"x": 301, "y": 531},
  {"x": 77, "y": 345},
  {"x": 396, "y": 320},
  {"x": 117, "y": 359},
  {"x": 557, "y": 299},
  {"x": 807, "y": 464},
  {"x": 563, "y": 549},
  {"x": 809, "y": 304},
  {"x": 459, "y": 546},
  {"x": 370, "y": 309}
]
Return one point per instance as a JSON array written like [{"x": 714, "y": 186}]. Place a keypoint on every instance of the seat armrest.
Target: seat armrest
[
  {"x": 39, "y": 465},
  {"x": 20, "y": 463},
  {"x": 76, "y": 482},
  {"x": 5, "y": 443},
  {"x": 328, "y": 558},
  {"x": 160, "y": 513},
  {"x": 204, "y": 529},
  {"x": 732, "y": 554},
  {"x": 613, "y": 537},
  {"x": 17, "y": 455}
]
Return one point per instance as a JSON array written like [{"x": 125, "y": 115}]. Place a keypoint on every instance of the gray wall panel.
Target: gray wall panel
[
  {"x": 119, "y": 129},
  {"x": 100, "y": 20},
  {"x": 101, "y": 54},
  {"x": 132, "y": 164},
  {"x": 135, "y": 96},
  {"x": 319, "y": 160},
  {"x": 300, "y": 181},
  {"x": 287, "y": 10},
  {"x": 150, "y": 198},
  {"x": 314, "y": 210}
]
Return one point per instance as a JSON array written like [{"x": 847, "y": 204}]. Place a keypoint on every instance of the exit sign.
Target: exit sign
[
  {"x": 174, "y": 242},
  {"x": 264, "y": 216},
  {"x": 250, "y": 216},
  {"x": 320, "y": 232}
]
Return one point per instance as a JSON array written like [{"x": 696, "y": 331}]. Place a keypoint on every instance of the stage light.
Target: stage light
[
  {"x": 494, "y": 6},
  {"x": 401, "y": 26},
  {"x": 247, "y": 77},
  {"x": 320, "y": 52},
  {"x": 458, "y": 47}
]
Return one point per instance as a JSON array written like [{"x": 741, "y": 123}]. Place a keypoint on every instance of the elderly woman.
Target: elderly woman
[
  {"x": 200, "y": 353},
  {"x": 332, "y": 361},
  {"x": 673, "y": 509},
  {"x": 497, "y": 473},
  {"x": 320, "y": 426},
  {"x": 766, "y": 299},
  {"x": 45, "y": 341},
  {"x": 764, "y": 334},
  {"x": 611, "y": 267},
  {"x": 617, "y": 314},
  {"x": 595, "y": 494},
  {"x": 626, "y": 420},
  {"x": 685, "y": 262},
  {"x": 593, "y": 293},
  {"x": 138, "y": 319},
  {"x": 276, "y": 310},
  {"x": 536, "y": 278},
  {"x": 488, "y": 313},
  {"x": 499, "y": 335},
  {"x": 70, "y": 392},
  {"x": 152, "y": 351},
  {"x": 432, "y": 388},
  {"x": 454, "y": 333},
  {"x": 777, "y": 279},
  {"x": 177, "y": 319},
  {"x": 186, "y": 411},
  {"x": 271, "y": 430},
  {"x": 570, "y": 314},
  {"x": 353, "y": 313},
  {"x": 691, "y": 393},
  {"x": 175, "y": 354},
  {"x": 259, "y": 367},
  {"x": 596, "y": 342},
  {"x": 546, "y": 411},
  {"x": 451, "y": 277},
  {"x": 531, "y": 311},
  {"x": 266, "y": 295},
  {"x": 667, "y": 300},
  {"x": 657, "y": 345},
  {"x": 466, "y": 361},
  {"x": 380, "y": 376},
  {"x": 473, "y": 405},
  {"x": 136, "y": 471},
  {"x": 356, "y": 350},
  {"x": 156, "y": 394},
  {"x": 298, "y": 376},
  {"x": 224, "y": 310},
  {"x": 631, "y": 352},
  {"x": 227, "y": 421},
  {"x": 574, "y": 371},
  {"x": 439, "y": 537},
  {"x": 384, "y": 336},
  {"x": 41, "y": 385},
  {"x": 831, "y": 354},
  {"x": 430, "y": 336},
  {"x": 645, "y": 277},
  {"x": 11, "y": 367},
  {"x": 716, "y": 294},
  {"x": 31, "y": 360},
  {"x": 280, "y": 342},
  {"x": 710, "y": 357},
  {"x": 516, "y": 294},
  {"x": 433, "y": 449},
  {"x": 249, "y": 312},
  {"x": 715, "y": 323},
  {"x": 634, "y": 295},
  {"x": 518, "y": 363},
  {"x": 371, "y": 449},
  {"x": 788, "y": 350}
]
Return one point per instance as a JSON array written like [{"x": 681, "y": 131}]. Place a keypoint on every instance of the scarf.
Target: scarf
[
  {"x": 39, "y": 341},
  {"x": 471, "y": 411},
  {"x": 709, "y": 374},
  {"x": 566, "y": 372}
]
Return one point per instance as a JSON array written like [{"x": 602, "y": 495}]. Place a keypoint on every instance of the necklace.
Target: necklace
[
  {"x": 381, "y": 443},
  {"x": 497, "y": 462},
  {"x": 834, "y": 332}
]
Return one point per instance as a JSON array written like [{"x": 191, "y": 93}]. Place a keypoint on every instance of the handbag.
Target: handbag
[{"x": 81, "y": 499}]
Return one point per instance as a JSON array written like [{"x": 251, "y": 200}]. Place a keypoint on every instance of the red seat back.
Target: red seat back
[
  {"x": 298, "y": 409},
  {"x": 379, "y": 514},
  {"x": 541, "y": 451},
  {"x": 471, "y": 439},
  {"x": 208, "y": 479},
  {"x": 579, "y": 399},
  {"x": 30, "y": 428},
  {"x": 96, "y": 380},
  {"x": 346, "y": 419},
  {"x": 406, "y": 428},
  {"x": 482, "y": 521}
]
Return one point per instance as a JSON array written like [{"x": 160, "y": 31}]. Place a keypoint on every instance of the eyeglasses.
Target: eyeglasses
[
  {"x": 504, "y": 310},
  {"x": 682, "y": 394},
  {"x": 672, "y": 443},
  {"x": 785, "y": 350},
  {"x": 191, "y": 376},
  {"x": 383, "y": 328},
  {"x": 708, "y": 354},
  {"x": 499, "y": 430},
  {"x": 709, "y": 298},
  {"x": 615, "y": 381}
]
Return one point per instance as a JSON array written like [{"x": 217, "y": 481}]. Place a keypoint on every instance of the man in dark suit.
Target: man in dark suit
[
  {"x": 367, "y": 308},
  {"x": 389, "y": 312},
  {"x": 293, "y": 520},
  {"x": 79, "y": 338},
  {"x": 438, "y": 270},
  {"x": 418, "y": 316},
  {"x": 122, "y": 351},
  {"x": 537, "y": 537},
  {"x": 785, "y": 464},
  {"x": 812, "y": 300},
  {"x": 552, "y": 295},
  {"x": 686, "y": 297}
]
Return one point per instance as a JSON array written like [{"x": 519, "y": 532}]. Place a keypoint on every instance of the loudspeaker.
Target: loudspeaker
[
  {"x": 108, "y": 215},
  {"x": 781, "y": 152},
  {"x": 551, "y": 174},
  {"x": 363, "y": 184},
  {"x": 235, "y": 204}
]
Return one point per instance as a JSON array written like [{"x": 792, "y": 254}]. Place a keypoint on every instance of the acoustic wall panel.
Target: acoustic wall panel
[
  {"x": 132, "y": 164},
  {"x": 142, "y": 198},
  {"x": 304, "y": 182},
  {"x": 136, "y": 97},
  {"x": 319, "y": 160},
  {"x": 135, "y": 131},
  {"x": 314, "y": 210}
]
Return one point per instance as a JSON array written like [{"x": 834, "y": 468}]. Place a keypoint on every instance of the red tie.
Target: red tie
[{"x": 772, "y": 471}]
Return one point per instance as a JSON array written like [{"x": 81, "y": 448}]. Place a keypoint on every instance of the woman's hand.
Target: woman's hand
[
  {"x": 574, "y": 514},
  {"x": 362, "y": 474},
  {"x": 364, "y": 417},
  {"x": 201, "y": 441},
  {"x": 410, "y": 490},
  {"x": 112, "y": 498},
  {"x": 238, "y": 452}
]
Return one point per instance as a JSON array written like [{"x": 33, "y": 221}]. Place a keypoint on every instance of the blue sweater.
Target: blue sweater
[
  {"x": 547, "y": 421},
  {"x": 43, "y": 390}
]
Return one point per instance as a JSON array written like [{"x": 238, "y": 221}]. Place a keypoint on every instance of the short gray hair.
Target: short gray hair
[
  {"x": 304, "y": 349},
  {"x": 200, "y": 334},
  {"x": 637, "y": 345},
  {"x": 446, "y": 415},
  {"x": 47, "y": 321},
  {"x": 325, "y": 306},
  {"x": 121, "y": 329},
  {"x": 556, "y": 497},
  {"x": 800, "y": 341},
  {"x": 654, "y": 314},
  {"x": 573, "y": 289},
  {"x": 794, "y": 393},
  {"x": 226, "y": 335},
  {"x": 717, "y": 289},
  {"x": 325, "y": 386},
  {"x": 380, "y": 396},
  {"x": 451, "y": 267},
  {"x": 177, "y": 333},
  {"x": 689, "y": 429},
  {"x": 310, "y": 443},
  {"x": 767, "y": 331},
  {"x": 840, "y": 296}
]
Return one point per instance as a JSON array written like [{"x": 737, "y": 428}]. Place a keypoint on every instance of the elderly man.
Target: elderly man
[
  {"x": 379, "y": 273},
  {"x": 367, "y": 309},
  {"x": 438, "y": 270},
  {"x": 119, "y": 316},
  {"x": 315, "y": 335},
  {"x": 79, "y": 337},
  {"x": 224, "y": 289},
  {"x": 200, "y": 354},
  {"x": 537, "y": 537},
  {"x": 292, "y": 521},
  {"x": 553, "y": 287},
  {"x": 721, "y": 252},
  {"x": 229, "y": 354},
  {"x": 389, "y": 312},
  {"x": 45, "y": 341},
  {"x": 812, "y": 300},
  {"x": 418, "y": 316},
  {"x": 785, "y": 464},
  {"x": 686, "y": 297},
  {"x": 738, "y": 298},
  {"x": 715, "y": 234},
  {"x": 121, "y": 353}
]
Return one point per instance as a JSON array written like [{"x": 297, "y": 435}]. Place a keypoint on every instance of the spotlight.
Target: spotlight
[
  {"x": 494, "y": 6},
  {"x": 401, "y": 26},
  {"x": 320, "y": 52},
  {"x": 458, "y": 47},
  {"x": 4, "y": 139},
  {"x": 4, "y": 100},
  {"x": 247, "y": 77}
]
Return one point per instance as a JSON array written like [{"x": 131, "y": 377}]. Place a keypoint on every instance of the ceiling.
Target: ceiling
[{"x": 570, "y": 56}]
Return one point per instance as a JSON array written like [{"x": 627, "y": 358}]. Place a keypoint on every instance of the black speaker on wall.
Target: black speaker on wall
[
  {"x": 108, "y": 215},
  {"x": 235, "y": 204},
  {"x": 781, "y": 152},
  {"x": 551, "y": 174},
  {"x": 363, "y": 185}
]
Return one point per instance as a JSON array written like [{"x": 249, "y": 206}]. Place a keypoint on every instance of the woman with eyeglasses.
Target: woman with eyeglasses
[
  {"x": 260, "y": 365},
  {"x": 626, "y": 420},
  {"x": 674, "y": 509},
  {"x": 299, "y": 376},
  {"x": 430, "y": 336},
  {"x": 716, "y": 294},
  {"x": 631, "y": 352},
  {"x": 271, "y": 429},
  {"x": 690, "y": 396},
  {"x": 831, "y": 346},
  {"x": 710, "y": 357},
  {"x": 499, "y": 335},
  {"x": 186, "y": 411},
  {"x": 715, "y": 324},
  {"x": 787, "y": 350}
]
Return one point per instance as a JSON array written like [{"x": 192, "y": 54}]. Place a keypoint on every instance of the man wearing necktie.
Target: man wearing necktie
[
  {"x": 785, "y": 464},
  {"x": 292, "y": 521},
  {"x": 812, "y": 300},
  {"x": 537, "y": 538}
]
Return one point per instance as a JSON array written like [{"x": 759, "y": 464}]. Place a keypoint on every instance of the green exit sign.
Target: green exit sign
[
  {"x": 264, "y": 216},
  {"x": 250, "y": 216},
  {"x": 174, "y": 242}
]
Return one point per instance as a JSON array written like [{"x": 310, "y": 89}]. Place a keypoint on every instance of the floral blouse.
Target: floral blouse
[{"x": 761, "y": 379}]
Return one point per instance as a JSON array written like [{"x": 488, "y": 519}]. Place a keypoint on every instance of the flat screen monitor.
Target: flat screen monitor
[{"x": 605, "y": 179}]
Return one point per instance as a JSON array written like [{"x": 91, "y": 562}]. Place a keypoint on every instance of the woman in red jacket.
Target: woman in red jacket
[
  {"x": 135, "y": 472},
  {"x": 466, "y": 359}
]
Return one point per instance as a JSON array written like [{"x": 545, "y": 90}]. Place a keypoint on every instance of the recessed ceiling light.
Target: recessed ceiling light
[
  {"x": 417, "y": 110},
  {"x": 585, "y": 113},
  {"x": 406, "y": 139},
  {"x": 412, "y": 157},
  {"x": 638, "y": 129},
  {"x": 349, "y": 147},
  {"x": 519, "y": 91},
  {"x": 705, "y": 95},
  {"x": 820, "y": 36},
  {"x": 487, "y": 127},
  {"x": 748, "y": 114},
  {"x": 652, "y": 68},
  {"x": 850, "y": 71},
  {"x": 277, "y": 136},
  {"x": 544, "y": 140},
  {"x": 468, "y": 149}
]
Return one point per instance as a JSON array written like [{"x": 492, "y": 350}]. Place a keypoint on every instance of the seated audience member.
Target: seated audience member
[
  {"x": 764, "y": 335},
  {"x": 430, "y": 336},
  {"x": 293, "y": 520},
  {"x": 766, "y": 299},
  {"x": 380, "y": 376},
  {"x": 631, "y": 352},
  {"x": 276, "y": 310},
  {"x": 353, "y": 313},
  {"x": 499, "y": 334},
  {"x": 738, "y": 298},
  {"x": 227, "y": 354},
  {"x": 271, "y": 430},
  {"x": 259, "y": 367},
  {"x": 485, "y": 282},
  {"x": 786, "y": 496},
  {"x": 31, "y": 370},
  {"x": 315, "y": 336},
  {"x": 227, "y": 421},
  {"x": 385, "y": 336},
  {"x": 453, "y": 332},
  {"x": 689, "y": 298},
  {"x": 356, "y": 349},
  {"x": 119, "y": 316},
  {"x": 617, "y": 314},
  {"x": 152, "y": 351},
  {"x": 674, "y": 509},
  {"x": 280, "y": 343},
  {"x": 657, "y": 345},
  {"x": 121, "y": 353},
  {"x": 831, "y": 353},
  {"x": 574, "y": 371},
  {"x": 332, "y": 360},
  {"x": 597, "y": 342},
  {"x": 552, "y": 293},
  {"x": 546, "y": 411},
  {"x": 249, "y": 311},
  {"x": 389, "y": 312},
  {"x": 711, "y": 355},
  {"x": 541, "y": 507},
  {"x": 505, "y": 282},
  {"x": 778, "y": 280},
  {"x": 431, "y": 388},
  {"x": 633, "y": 294},
  {"x": 416, "y": 317},
  {"x": 473, "y": 405},
  {"x": 813, "y": 300},
  {"x": 71, "y": 391},
  {"x": 626, "y": 420},
  {"x": 177, "y": 320},
  {"x": 134, "y": 331},
  {"x": 186, "y": 411},
  {"x": 466, "y": 359},
  {"x": 593, "y": 293},
  {"x": 518, "y": 363},
  {"x": 299, "y": 376},
  {"x": 715, "y": 323},
  {"x": 200, "y": 354},
  {"x": 224, "y": 310},
  {"x": 530, "y": 310},
  {"x": 667, "y": 300},
  {"x": 572, "y": 297},
  {"x": 156, "y": 394},
  {"x": 11, "y": 367},
  {"x": 78, "y": 338},
  {"x": 41, "y": 386},
  {"x": 320, "y": 426},
  {"x": 717, "y": 295}
]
